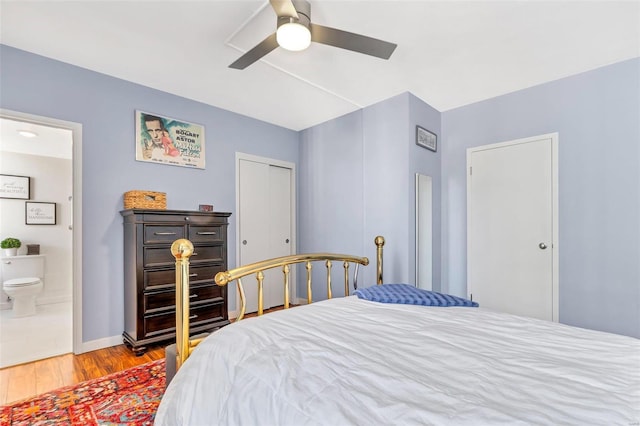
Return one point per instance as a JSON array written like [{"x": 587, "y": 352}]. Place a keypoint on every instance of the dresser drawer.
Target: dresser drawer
[
  {"x": 201, "y": 274},
  {"x": 204, "y": 234},
  {"x": 162, "y": 234},
  {"x": 212, "y": 253},
  {"x": 156, "y": 280},
  {"x": 199, "y": 315},
  {"x": 183, "y": 218},
  {"x": 159, "y": 256},
  {"x": 164, "y": 300}
]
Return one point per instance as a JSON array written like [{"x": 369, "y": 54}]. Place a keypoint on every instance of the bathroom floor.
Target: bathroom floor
[{"x": 44, "y": 335}]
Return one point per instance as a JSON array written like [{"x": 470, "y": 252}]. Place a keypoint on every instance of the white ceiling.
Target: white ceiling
[
  {"x": 450, "y": 53},
  {"x": 49, "y": 142}
]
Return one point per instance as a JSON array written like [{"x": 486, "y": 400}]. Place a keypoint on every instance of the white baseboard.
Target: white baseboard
[
  {"x": 40, "y": 301},
  {"x": 233, "y": 314},
  {"x": 301, "y": 301},
  {"x": 105, "y": 342}
]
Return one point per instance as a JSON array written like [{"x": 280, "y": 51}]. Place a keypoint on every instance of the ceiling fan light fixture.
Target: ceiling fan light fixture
[{"x": 293, "y": 36}]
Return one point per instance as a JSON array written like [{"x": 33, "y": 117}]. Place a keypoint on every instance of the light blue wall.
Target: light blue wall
[
  {"x": 330, "y": 195},
  {"x": 105, "y": 107},
  {"x": 386, "y": 203},
  {"x": 427, "y": 163},
  {"x": 356, "y": 177},
  {"x": 597, "y": 116},
  {"x": 358, "y": 172}
]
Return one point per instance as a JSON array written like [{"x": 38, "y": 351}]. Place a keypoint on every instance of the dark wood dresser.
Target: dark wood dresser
[{"x": 149, "y": 273}]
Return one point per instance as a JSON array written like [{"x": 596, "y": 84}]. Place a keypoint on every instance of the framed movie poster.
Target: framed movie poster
[{"x": 165, "y": 140}]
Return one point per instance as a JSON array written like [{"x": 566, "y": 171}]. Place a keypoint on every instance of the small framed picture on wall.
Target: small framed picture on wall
[
  {"x": 14, "y": 187},
  {"x": 38, "y": 213},
  {"x": 426, "y": 139}
]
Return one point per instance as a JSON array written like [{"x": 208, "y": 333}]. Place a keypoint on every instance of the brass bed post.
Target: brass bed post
[
  {"x": 182, "y": 250},
  {"x": 308, "y": 267},
  {"x": 285, "y": 270},
  {"x": 329, "y": 293},
  {"x": 346, "y": 278},
  {"x": 260, "y": 277},
  {"x": 243, "y": 301},
  {"x": 379, "y": 240}
]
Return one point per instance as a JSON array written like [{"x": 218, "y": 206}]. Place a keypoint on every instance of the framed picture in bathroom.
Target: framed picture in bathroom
[
  {"x": 14, "y": 187},
  {"x": 39, "y": 213}
]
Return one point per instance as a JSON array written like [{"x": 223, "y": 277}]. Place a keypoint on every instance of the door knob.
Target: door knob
[
  {"x": 244, "y": 242},
  {"x": 286, "y": 241},
  {"x": 542, "y": 246}
]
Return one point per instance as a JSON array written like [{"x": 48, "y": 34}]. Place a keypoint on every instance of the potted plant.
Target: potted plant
[{"x": 10, "y": 246}]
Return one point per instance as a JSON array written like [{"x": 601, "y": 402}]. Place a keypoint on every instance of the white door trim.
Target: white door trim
[
  {"x": 76, "y": 131},
  {"x": 271, "y": 162},
  {"x": 555, "y": 221},
  {"x": 424, "y": 234}
]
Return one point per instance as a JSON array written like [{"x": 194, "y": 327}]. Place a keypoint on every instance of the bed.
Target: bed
[{"x": 354, "y": 361}]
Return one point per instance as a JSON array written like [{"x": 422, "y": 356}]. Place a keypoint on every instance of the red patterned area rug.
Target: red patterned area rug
[{"x": 129, "y": 397}]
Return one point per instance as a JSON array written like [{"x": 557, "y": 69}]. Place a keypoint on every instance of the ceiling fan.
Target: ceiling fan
[{"x": 295, "y": 32}]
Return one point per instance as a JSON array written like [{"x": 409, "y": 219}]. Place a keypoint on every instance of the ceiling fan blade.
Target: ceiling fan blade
[
  {"x": 351, "y": 41},
  {"x": 284, "y": 8},
  {"x": 261, "y": 49}
]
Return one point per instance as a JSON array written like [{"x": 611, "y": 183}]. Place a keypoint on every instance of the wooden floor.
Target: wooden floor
[{"x": 27, "y": 380}]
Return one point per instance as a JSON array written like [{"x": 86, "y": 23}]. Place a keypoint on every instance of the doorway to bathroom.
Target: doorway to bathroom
[{"x": 46, "y": 154}]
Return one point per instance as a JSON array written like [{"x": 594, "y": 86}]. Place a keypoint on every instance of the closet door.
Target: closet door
[
  {"x": 511, "y": 231},
  {"x": 265, "y": 225}
]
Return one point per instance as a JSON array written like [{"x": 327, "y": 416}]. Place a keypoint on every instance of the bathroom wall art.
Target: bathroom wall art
[
  {"x": 14, "y": 187},
  {"x": 39, "y": 213}
]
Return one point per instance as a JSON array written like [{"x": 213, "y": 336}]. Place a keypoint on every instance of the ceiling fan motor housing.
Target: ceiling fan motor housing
[{"x": 304, "y": 15}]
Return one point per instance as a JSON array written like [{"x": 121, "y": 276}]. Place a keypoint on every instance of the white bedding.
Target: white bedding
[{"x": 350, "y": 361}]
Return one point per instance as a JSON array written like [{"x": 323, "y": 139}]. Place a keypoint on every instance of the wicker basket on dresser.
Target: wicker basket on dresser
[{"x": 149, "y": 273}]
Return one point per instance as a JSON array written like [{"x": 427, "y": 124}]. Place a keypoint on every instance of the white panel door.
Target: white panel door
[
  {"x": 510, "y": 227},
  {"x": 254, "y": 242},
  {"x": 279, "y": 231},
  {"x": 264, "y": 225}
]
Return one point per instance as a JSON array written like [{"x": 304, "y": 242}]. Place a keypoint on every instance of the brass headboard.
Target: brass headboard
[{"x": 182, "y": 250}]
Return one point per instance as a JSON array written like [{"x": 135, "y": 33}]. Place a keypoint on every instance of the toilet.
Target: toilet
[{"x": 22, "y": 280}]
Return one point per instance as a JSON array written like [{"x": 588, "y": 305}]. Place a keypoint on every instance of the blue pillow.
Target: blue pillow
[{"x": 409, "y": 295}]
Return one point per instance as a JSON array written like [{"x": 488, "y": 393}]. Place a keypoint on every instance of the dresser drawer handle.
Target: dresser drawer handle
[
  {"x": 205, "y": 233},
  {"x": 164, "y": 233},
  {"x": 191, "y": 296},
  {"x": 193, "y": 317},
  {"x": 194, "y": 254},
  {"x": 193, "y": 275}
]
